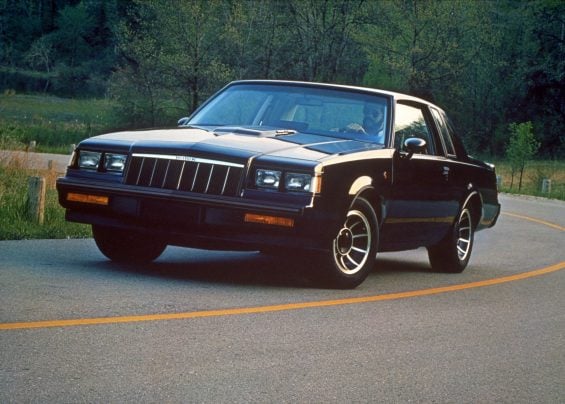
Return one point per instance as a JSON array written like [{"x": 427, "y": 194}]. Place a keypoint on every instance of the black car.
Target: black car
[{"x": 335, "y": 172}]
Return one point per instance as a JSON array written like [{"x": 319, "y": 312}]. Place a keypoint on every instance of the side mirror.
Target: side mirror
[
  {"x": 414, "y": 145},
  {"x": 182, "y": 121}
]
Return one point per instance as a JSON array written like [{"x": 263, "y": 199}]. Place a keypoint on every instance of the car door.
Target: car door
[
  {"x": 458, "y": 170},
  {"x": 422, "y": 207}
]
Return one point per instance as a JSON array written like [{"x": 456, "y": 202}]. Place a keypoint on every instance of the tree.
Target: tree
[
  {"x": 522, "y": 147},
  {"x": 543, "y": 102},
  {"x": 413, "y": 45},
  {"x": 322, "y": 32},
  {"x": 171, "y": 59}
]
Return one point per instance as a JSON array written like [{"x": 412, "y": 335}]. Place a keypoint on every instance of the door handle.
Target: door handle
[{"x": 445, "y": 172}]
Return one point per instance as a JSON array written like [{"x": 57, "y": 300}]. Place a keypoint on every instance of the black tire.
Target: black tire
[
  {"x": 127, "y": 246},
  {"x": 353, "y": 250},
  {"x": 453, "y": 253}
]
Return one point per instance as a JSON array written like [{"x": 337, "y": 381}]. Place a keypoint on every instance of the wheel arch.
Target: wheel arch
[
  {"x": 474, "y": 202},
  {"x": 370, "y": 193}
]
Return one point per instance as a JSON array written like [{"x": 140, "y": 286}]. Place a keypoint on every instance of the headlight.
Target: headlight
[
  {"x": 89, "y": 160},
  {"x": 268, "y": 179},
  {"x": 114, "y": 162},
  {"x": 298, "y": 182}
]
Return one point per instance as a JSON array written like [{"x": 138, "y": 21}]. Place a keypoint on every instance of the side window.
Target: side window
[
  {"x": 444, "y": 132},
  {"x": 410, "y": 122}
]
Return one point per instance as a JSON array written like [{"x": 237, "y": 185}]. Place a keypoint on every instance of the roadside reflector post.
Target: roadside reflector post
[{"x": 36, "y": 199}]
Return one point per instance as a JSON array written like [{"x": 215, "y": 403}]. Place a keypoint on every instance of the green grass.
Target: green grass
[
  {"x": 534, "y": 173},
  {"x": 53, "y": 123},
  {"x": 14, "y": 224}
]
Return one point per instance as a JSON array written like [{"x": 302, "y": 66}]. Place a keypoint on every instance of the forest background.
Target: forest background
[{"x": 487, "y": 63}]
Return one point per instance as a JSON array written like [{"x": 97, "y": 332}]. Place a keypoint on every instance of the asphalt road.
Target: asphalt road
[{"x": 198, "y": 326}]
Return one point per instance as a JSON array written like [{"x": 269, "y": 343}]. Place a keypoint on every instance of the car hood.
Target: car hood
[{"x": 239, "y": 143}]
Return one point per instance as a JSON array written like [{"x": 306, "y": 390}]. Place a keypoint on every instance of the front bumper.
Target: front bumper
[{"x": 196, "y": 220}]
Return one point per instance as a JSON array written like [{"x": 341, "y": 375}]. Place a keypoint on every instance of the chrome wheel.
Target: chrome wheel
[
  {"x": 452, "y": 254},
  {"x": 352, "y": 246},
  {"x": 465, "y": 231}
]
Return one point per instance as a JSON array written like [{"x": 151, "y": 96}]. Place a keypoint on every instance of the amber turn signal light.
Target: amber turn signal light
[
  {"x": 93, "y": 199},
  {"x": 271, "y": 220}
]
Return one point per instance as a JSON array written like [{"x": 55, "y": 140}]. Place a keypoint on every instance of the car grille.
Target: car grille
[{"x": 184, "y": 173}]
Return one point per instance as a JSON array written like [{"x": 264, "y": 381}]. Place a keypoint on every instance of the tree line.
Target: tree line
[{"x": 488, "y": 63}]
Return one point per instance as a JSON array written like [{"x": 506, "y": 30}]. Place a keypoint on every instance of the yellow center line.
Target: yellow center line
[
  {"x": 279, "y": 307},
  {"x": 531, "y": 219}
]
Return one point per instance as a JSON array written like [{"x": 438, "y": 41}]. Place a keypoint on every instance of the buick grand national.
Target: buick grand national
[{"x": 337, "y": 173}]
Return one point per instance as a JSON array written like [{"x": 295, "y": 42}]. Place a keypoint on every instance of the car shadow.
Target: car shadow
[
  {"x": 387, "y": 264},
  {"x": 246, "y": 268}
]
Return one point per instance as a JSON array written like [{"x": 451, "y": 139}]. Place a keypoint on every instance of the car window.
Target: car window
[
  {"x": 237, "y": 108},
  {"x": 326, "y": 112},
  {"x": 444, "y": 132},
  {"x": 410, "y": 122}
]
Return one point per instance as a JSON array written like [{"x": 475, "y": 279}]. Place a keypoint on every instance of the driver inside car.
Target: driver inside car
[{"x": 373, "y": 121}]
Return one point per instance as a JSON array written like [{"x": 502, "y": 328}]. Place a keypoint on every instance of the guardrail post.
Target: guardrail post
[
  {"x": 36, "y": 199},
  {"x": 499, "y": 181}
]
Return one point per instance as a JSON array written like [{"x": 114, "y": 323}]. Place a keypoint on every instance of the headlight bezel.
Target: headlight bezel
[
  {"x": 267, "y": 179},
  {"x": 100, "y": 161},
  {"x": 114, "y": 162},
  {"x": 88, "y": 160},
  {"x": 287, "y": 180},
  {"x": 298, "y": 182}
]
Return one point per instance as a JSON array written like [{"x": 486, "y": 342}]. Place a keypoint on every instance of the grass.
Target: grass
[
  {"x": 53, "y": 123},
  {"x": 534, "y": 173},
  {"x": 14, "y": 223}
]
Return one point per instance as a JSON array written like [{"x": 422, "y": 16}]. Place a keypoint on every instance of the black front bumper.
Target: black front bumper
[{"x": 195, "y": 220}]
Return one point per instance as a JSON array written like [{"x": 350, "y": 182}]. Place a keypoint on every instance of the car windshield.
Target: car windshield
[{"x": 322, "y": 111}]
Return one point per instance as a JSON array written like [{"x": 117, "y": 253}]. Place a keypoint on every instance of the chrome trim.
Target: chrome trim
[
  {"x": 166, "y": 173},
  {"x": 180, "y": 176},
  {"x": 195, "y": 177},
  {"x": 187, "y": 158},
  {"x": 209, "y": 179},
  {"x": 225, "y": 181}
]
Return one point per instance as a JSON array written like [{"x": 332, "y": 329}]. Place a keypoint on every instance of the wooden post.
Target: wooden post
[
  {"x": 51, "y": 174},
  {"x": 545, "y": 186},
  {"x": 36, "y": 199}
]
